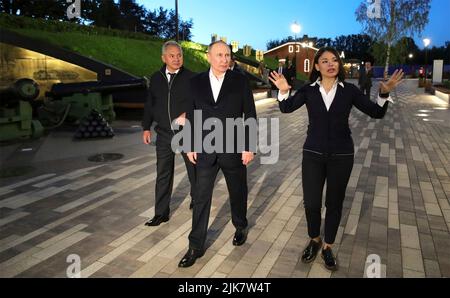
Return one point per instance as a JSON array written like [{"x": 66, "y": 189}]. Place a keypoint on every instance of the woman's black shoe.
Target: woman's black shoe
[{"x": 329, "y": 259}]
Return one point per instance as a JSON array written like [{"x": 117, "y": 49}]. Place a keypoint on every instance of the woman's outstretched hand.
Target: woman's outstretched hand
[
  {"x": 396, "y": 78},
  {"x": 280, "y": 82}
]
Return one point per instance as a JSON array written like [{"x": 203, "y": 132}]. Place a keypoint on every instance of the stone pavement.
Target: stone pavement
[{"x": 396, "y": 206}]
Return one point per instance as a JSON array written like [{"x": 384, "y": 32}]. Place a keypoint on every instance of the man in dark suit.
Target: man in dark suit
[
  {"x": 281, "y": 67},
  {"x": 167, "y": 102},
  {"x": 365, "y": 78},
  {"x": 290, "y": 73},
  {"x": 282, "y": 70},
  {"x": 220, "y": 95}
]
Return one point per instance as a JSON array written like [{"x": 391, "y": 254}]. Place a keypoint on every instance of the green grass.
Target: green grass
[
  {"x": 138, "y": 57},
  {"x": 446, "y": 84},
  {"x": 136, "y": 53},
  {"x": 301, "y": 76}
]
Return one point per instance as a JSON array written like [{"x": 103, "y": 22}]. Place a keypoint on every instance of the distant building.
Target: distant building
[{"x": 303, "y": 53}]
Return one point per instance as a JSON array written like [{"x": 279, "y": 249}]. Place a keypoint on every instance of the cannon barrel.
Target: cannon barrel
[
  {"x": 68, "y": 89},
  {"x": 22, "y": 89}
]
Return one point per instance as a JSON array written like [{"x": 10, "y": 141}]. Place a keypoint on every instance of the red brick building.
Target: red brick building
[{"x": 303, "y": 52}]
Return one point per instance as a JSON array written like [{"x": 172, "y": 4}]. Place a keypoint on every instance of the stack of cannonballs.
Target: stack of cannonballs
[{"x": 94, "y": 126}]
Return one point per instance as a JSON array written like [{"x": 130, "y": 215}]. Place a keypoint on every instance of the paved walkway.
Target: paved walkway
[{"x": 396, "y": 207}]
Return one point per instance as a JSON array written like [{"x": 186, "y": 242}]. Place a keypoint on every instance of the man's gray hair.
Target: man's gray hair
[
  {"x": 169, "y": 44},
  {"x": 217, "y": 42}
]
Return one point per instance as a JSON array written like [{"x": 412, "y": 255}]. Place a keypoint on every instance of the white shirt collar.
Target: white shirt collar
[
  {"x": 212, "y": 76},
  {"x": 167, "y": 72},
  {"x": 319, "y": 82},
  {"x": 216, "y": 84}
]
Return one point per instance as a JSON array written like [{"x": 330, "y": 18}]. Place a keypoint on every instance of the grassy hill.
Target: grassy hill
[
  {"x": 136, "y": 53},
  {"x": 139, "y": 57}
]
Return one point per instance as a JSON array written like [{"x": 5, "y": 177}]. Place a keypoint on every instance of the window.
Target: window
[
  {"x": 297, "y": 48},
  {"x": 306, "y": 66}
]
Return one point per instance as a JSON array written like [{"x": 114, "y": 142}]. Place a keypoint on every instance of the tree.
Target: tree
[
  {"x": 155, "y": 21},
  {"x": 104, "y": 13},
  {"x": 132, "y": 16},
  {"x": 185, "y": 29},
  {"x": 15, "y": 7},
  {"x": 398, "y": 53},
  {"x": 324, "y": 42},
  {"x": 404, "y": 47},
  {"x": 45, "y": 9},
  {"x": 397, "y": 18},
  {"x": 124, "y": 15}
]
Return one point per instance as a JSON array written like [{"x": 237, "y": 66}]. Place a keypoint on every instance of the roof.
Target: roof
[{"x": 291, "y": 43}]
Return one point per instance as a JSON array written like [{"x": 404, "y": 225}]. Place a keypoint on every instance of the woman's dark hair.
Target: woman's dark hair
[{"x": 316, "y": 74}]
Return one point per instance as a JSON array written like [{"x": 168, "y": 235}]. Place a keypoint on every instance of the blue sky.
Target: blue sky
[{"x": 256, "y": 22}]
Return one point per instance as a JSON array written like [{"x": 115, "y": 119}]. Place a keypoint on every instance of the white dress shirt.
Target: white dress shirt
[
  {"x": 167, "y": 73},
  {"x": 216, "y": 84},
  {"x": 329, "y": 97}
]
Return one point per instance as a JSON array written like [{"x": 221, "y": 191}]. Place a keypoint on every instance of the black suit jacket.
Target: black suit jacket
[
  {"x": 162, "y": 97},
  {"x": 235, "y": 101},
  {"x": 365, "y": 78},
  {"x": 328, "y": 131},
  {"x": 290, "y": 74}
]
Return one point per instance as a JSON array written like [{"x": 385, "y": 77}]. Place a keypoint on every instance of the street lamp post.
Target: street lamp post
[
  {"x": 177, "y": 37},
  {"x": 410, "y": 56},
  {"x": 426, "y": 43},
  {"x": 295, "y": 28}
]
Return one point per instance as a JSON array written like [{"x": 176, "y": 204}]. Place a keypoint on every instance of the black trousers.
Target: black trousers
[
  {"x": 365, "y": 89},
  {"x": 336, "y": 171},
  {"x": 235, "y": 173},
  {"x": 165, "y": 163}
]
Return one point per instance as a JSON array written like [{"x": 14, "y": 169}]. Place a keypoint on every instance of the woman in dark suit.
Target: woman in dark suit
[{"x": 328, "y": 150}]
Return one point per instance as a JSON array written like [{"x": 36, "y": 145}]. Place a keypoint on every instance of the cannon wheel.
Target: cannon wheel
[{"x": 37, "y": 129}]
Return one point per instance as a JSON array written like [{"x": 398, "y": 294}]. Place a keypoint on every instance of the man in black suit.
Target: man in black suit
[
  {"x": 281, "y": 67},
  {"x": 365, "y": 78},
  {"x": 290, "y": 73},
  {"x": 167, "y": 102},
  {"x": 220, "y": 95},
  {"x": 282, "y": 70}
]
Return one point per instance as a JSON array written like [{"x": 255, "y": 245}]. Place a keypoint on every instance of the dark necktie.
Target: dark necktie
[{"x": 171, "y": 77}]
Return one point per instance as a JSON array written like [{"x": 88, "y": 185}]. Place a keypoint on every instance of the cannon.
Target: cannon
[
  {"x": 71, "y": 102},
  {"x": 62, "y": 89},
  {"x": 16, "y": 111},
  {"x": 22, "y": 89},
  {"x": 83, "y": 104}
]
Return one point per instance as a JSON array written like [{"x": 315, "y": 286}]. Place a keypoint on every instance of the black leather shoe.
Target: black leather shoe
[
  {"x": 189, "y": 258},
  {"x": 310, "y": 252},
  {"x": 240, "y": 236},
  {"x": 329, "y": 259},
  {"x": 157, "y": 220}
]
